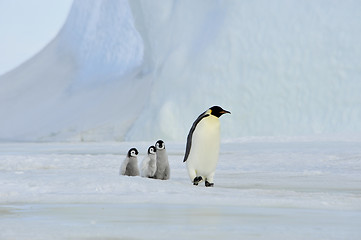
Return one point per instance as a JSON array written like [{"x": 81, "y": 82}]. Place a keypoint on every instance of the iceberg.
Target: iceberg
[{"x": 139, "y": 70}]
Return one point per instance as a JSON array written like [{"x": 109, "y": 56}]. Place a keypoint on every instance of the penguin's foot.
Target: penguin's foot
[
  {"x": 208, "y": 184},
  {"x": 196, "y": 180}
]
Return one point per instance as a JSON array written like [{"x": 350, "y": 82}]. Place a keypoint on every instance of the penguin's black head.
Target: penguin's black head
[
  {"x": 133, "y": 152},
  {"x": 218, "y": 111},
  {"x": 152, "y": 150},
  {"x": 160, "y": 144}
]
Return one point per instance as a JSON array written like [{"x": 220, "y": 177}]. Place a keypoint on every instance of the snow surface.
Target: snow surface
[
  {"x": 265, "y": 188},
  {"x": 141, "y": 70}
]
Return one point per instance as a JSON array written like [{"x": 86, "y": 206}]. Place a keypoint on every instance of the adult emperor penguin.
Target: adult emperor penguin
[
  {"x": 203, "y": 146},
  {"x": 163, "y": 171},
  {"x": 129, "y": 166},
  {"x": 149, "y": 163}
]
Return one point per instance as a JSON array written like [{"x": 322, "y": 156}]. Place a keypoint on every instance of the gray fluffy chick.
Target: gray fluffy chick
[
  {"x": 163, "y": 170},
  {"x": 129, "y": 166},
  {"x": 149, "y": 163}
]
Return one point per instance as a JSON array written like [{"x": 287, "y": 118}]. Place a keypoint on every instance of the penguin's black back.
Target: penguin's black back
[{"x": 190, "y": 134}]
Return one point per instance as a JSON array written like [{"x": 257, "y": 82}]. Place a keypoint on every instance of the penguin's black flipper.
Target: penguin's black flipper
[{"x": 190, "y": 134}]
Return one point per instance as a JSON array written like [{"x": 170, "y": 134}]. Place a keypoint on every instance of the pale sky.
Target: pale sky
[{"x": 26, "y": 27}]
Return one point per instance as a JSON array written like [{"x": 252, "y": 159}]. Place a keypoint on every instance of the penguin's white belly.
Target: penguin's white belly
[{"x": 203, "y": 156}]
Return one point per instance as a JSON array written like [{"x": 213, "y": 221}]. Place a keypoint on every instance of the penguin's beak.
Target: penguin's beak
[{"x": 225, "y": 111}]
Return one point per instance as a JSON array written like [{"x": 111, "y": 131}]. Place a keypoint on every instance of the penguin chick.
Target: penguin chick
[
  {"x": 129, "y": 166},
  {"x": 163, "y": 170},
  {"x": 202, "y": 148},
  {"x": 149, "y": 163}
]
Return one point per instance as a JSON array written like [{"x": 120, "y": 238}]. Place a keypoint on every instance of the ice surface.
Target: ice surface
[
  {"x": 141, "y": 70},
  {"x": 264, "y": 189}
]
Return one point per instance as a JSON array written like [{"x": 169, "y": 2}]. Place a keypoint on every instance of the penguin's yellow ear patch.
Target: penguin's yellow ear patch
[{"x": 209, "y": 111}]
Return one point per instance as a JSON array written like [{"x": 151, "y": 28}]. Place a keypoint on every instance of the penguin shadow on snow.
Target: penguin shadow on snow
[{"x": 154, "y": 165}]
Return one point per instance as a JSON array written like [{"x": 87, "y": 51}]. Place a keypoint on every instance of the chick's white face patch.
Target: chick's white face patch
[
  {"x": 160, "y": 146},
  {"x": 133, "y": 153}
]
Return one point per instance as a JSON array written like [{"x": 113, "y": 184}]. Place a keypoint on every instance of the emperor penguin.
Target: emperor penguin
[
  {"x": 129, "y": 166},
  {"x": 202, "y": 148},
  {"x": 149, "y": 163},
  {"x": 163, "y": 171}
]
